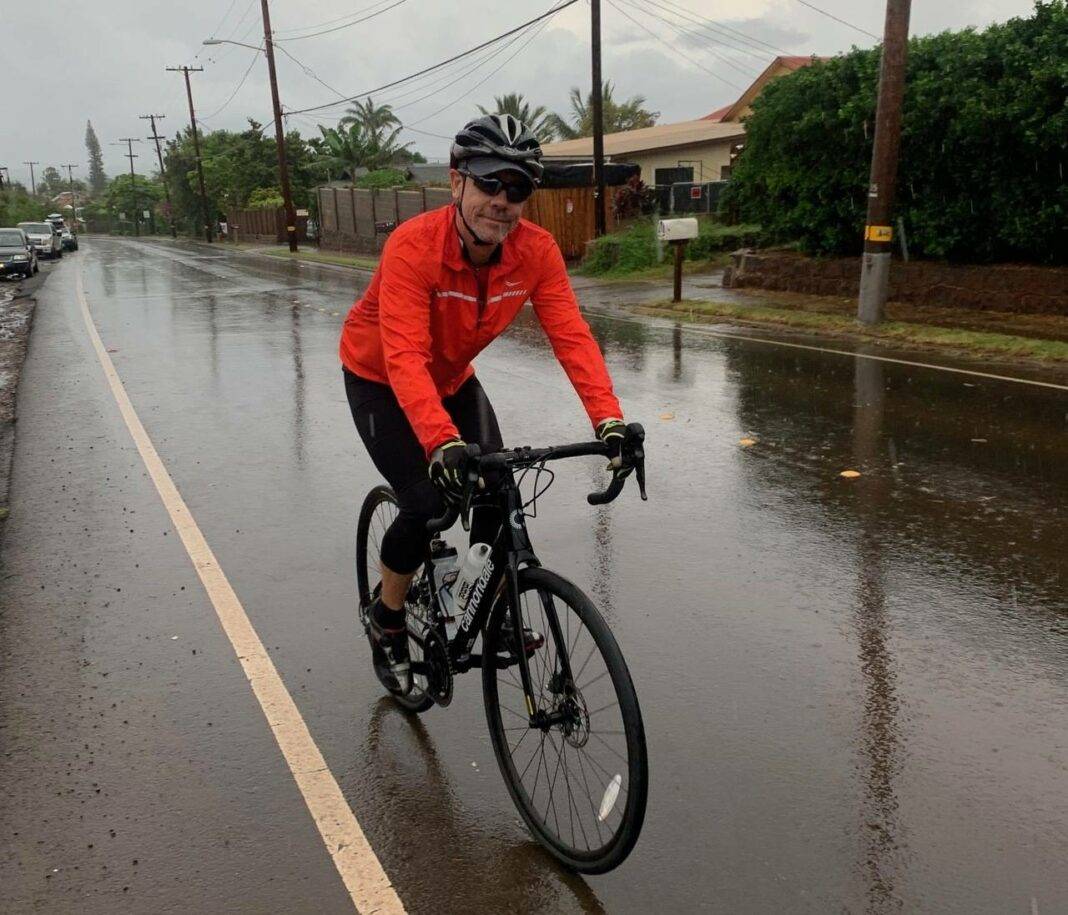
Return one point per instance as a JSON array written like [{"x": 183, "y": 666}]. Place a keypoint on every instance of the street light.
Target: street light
[
  {"x": 279, "y": 130},
  {"x": 240, "y": 44}
]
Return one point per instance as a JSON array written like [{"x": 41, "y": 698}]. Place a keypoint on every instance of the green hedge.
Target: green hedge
[
  {"x": 634, "y": 248},
  {"x": 984, "y": 147}
]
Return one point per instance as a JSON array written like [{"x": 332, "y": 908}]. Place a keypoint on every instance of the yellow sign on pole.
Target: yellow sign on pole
[{"x": 879, "y": 233}]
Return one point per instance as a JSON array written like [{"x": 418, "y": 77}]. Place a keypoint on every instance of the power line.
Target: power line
[
  {"x": 226, "y": 15},
  {"x": 479, "y": 65},
  {"x": 674, "y": 49},
  {"x": 233, "y": 94},
  {"x": 855, "y": 28},
  {"x": 397, "y": 82},
  {"x": 684, "y": 34},
  {"x": 724, "y": 33},
  {"x": 535, "y": 32},
  {"x": 347, "y": 25},
  {"x": 308, "y": 71},
  {"x": 319, "y": 25}
]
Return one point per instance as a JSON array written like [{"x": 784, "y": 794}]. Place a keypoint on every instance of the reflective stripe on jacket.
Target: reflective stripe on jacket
[{"x": 422, "y": 320}]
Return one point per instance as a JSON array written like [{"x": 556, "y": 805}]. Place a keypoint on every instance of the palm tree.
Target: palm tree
[
  {"x": 617, "y": 116},
  {"x": 538, "y": 118},
  {"x": 371, "y": 118},
  {"x": 344, "y": 149}
]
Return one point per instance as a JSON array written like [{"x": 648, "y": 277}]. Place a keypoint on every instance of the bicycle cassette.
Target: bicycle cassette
[{"x": 439, "y": 668}]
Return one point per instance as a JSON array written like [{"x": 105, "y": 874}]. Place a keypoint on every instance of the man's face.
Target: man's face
[{"x": 492, "y": 217}]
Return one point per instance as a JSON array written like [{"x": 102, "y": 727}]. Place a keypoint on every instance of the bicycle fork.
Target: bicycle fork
[{"x": 561, "y": 681}]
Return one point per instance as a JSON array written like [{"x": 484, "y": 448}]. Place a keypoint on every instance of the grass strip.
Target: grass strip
[
  {"x": 341, "y": 260},
  {"x": 1029, "y": 348}
]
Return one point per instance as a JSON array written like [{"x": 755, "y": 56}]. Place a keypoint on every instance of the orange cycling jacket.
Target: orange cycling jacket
[{"x": 423, "y": 319}]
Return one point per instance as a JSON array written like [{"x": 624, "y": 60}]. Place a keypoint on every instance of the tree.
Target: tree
[
  {"x": 130, "y": 195},
  {"x": 51, "y": 183},
  {"x": 538, "y": 119},
  {"x": 97, "y": 179},
  {"x": 235, "y": 165},
  {"x": 982, "y": 169},
  {"x": 372, "y": 119},
  {"x": 617, "y": 116},
  {"x": 343, "y": 149},
  {"x": 352, "y": 145}
]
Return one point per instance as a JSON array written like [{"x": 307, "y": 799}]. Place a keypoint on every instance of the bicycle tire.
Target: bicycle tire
[
  {"x": 611, "y": 852},
  {"x": 416, "y": 699}
]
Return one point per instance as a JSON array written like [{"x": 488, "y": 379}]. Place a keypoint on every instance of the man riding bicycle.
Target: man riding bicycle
[{"x": 448, "y": 283}]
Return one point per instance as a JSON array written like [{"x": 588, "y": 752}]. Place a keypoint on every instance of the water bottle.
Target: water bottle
[
  {"x": 446, "y": 568},
  {"x": 475, "y": 563}
]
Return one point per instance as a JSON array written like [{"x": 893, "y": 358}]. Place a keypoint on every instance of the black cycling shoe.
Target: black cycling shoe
[{"x": 389, "y": 652}]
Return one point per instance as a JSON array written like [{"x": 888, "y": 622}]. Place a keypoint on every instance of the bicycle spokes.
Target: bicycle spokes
[{"x": 570, "y": 754}]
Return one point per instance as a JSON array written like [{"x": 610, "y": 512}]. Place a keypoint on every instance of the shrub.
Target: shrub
[
  {"x": 382, "y": 177},
  {"x": 982, "y": 170},
  {"x": 634, "y": 248}
]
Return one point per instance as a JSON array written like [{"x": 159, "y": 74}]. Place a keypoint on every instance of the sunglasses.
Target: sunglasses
[{"x": 515, "y": 192}]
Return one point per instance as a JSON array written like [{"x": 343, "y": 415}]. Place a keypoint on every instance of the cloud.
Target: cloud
[{"x": 107, "y": 62}]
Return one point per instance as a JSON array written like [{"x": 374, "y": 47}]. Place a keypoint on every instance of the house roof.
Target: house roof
[
  {"x": 780, "y": 66},
  {"x": 717, "y": 115},
  {"x": 662, "y": 136}
]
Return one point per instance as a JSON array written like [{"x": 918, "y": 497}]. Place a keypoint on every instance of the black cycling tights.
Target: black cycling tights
[{"x": 399, "y": 457}]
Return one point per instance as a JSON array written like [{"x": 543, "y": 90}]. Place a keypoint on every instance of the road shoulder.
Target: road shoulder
[{"x": 18, "y": 304}]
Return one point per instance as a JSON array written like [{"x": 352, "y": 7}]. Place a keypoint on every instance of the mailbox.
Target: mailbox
[{"x": 676, "y": 229}]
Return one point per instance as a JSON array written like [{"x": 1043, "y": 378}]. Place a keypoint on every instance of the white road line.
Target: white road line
[
  {"x": 840, "y": 352},
  {"x": 355, "y": 860}
]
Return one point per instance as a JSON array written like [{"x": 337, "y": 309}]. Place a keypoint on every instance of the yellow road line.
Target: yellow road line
[{"x": 355, "y": 860}]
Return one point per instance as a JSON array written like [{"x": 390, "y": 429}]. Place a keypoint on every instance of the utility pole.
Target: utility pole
[
  {"x": 279, "y": 133},
  {"x": 599, "y": 225},
  {"x": 878, "y": 229},
  {"x": 196, "y": 146},
  {"x": 162, "y": 172},
  {"x": 70, "y": 166},
  {"x": 131, "y": 155},
  {"x": 33, "y": 181}
]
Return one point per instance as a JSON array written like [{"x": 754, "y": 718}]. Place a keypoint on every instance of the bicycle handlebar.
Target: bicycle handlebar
[{"x": 632, "y": 459}]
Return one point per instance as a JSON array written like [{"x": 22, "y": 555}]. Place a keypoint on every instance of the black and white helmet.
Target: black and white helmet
[{"x": 502, "y": 138}]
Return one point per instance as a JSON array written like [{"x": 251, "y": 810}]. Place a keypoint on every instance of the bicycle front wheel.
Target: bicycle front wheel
[{"x": 579, "y": 775}]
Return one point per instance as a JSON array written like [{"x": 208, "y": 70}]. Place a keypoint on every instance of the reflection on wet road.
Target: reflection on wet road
[{"x": 855, "y": 690}]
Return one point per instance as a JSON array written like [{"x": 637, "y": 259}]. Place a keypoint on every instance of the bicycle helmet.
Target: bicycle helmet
[{"x": 495, "y": 143}]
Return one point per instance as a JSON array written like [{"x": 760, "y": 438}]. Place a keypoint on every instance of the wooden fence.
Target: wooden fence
[
  {"x": 360, "y": 220},
  {"x": 266, "y": 226}
]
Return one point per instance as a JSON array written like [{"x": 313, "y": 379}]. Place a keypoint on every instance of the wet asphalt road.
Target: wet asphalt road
[{"x": 855, "y": 691}]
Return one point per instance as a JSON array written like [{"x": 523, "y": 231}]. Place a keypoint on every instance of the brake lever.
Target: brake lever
[{"x": 470, "y": 485}]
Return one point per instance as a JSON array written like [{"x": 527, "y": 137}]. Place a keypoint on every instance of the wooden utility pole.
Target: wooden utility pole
[
  {"x": 131, "y": 155},
  {"x": 599, "y": 224},
  {"x": 279, "y": 133},
  {"x": 162, "y": 171},
  {"x": 33, "y": 180},
  {"x": 70, "y": 166},
  {"x": 196, "y": 146},
  {"x": 878, "y": 229}
]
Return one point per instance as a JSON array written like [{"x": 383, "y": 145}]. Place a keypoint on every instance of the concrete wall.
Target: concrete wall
[{"x": 1021, "y": 289}]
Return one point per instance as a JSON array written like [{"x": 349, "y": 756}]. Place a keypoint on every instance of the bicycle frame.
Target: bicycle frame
[{"x": 510, "y": 551}]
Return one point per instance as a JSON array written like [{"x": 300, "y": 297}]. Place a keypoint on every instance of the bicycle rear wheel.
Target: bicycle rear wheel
[
  {"x": 376, "y": 515},
  {"x": 580, "y": 779}
]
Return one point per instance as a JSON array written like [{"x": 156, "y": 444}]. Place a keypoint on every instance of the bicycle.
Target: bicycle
[{"x": 571, "y": 708}]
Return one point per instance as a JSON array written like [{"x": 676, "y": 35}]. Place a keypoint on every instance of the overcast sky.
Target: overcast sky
[{"x": 105, "y": 61}]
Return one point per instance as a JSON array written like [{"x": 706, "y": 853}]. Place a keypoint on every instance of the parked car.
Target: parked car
[
  {"x": 44, "y": 237},
  {"x": 17, "y": 253},
  {"x": 68, "y": 240}
]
